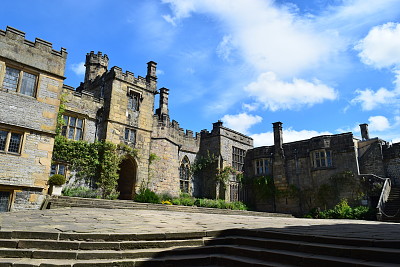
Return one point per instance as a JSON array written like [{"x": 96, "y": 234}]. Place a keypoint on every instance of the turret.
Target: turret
[{"x": 96, "y": 65}]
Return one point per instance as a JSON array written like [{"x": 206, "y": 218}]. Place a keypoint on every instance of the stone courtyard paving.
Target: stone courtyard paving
[{"x": 96, "y": 220}]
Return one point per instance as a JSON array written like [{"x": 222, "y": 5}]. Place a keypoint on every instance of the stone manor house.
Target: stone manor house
[{"x": 117, "y": 106}]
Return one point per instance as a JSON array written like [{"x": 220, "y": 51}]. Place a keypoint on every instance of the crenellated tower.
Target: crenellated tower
[{"x": 96, "y": 65}]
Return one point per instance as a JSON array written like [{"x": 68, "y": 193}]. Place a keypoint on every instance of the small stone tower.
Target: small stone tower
[{"x": 96, "y": 65}]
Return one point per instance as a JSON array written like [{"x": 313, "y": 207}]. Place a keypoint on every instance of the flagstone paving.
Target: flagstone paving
[{"x": 97, "y": 220}]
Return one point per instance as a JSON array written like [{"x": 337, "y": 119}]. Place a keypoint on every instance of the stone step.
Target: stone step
[
  {"x": 90, "y": 245},
  {"x": 106, "y": 237},
  {"x": 63, "y": 201},
  {"x": 212, "y": 260},
  {"x": 223, "y": 256},
  {"x": 253, "y": 247},
  {"x": 364, "y": 253}
]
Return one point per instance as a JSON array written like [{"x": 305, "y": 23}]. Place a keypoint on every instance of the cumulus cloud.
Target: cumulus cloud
[
  {"x": 289, "y": 135},
  {"x": 241, "y": 122},
  {"x": 78, "y": 68},
  {"x": 270, "y": 37},
  {"x": 378, "y": 123},
  {"x": 370, "y": 99},
  {"x": 381, "y": 47},
  {"x": 275, "y": 94}
]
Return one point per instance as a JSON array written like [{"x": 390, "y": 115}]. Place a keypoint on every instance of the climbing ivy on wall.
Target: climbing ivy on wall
[{"x": 98, "y": 161}]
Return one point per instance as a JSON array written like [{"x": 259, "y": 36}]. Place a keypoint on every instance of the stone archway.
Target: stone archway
[{"x": 127, "y": 178}]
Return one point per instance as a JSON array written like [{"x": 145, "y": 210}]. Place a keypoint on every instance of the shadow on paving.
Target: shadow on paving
[{"x": 316, "y": 245}]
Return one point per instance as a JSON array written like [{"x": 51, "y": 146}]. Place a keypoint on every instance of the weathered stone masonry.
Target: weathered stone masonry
[
  {"x": 24, "y": 173},
  {"x": 119, "y": 107}
]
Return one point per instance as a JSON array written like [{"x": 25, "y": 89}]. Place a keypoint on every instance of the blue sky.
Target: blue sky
[{"x": 318, "y": 66}]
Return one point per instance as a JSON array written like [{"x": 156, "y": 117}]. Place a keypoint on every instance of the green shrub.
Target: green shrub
[
  {"x": 81, "y": 192},
  {"x": 187, "y": 201},
  {"x": 343, "y": 211},
  {"x": 176, "y": 201},
  {"x": 166, "y": 197},
  {"x": 57, "y": 179},
  {"x": 184, "y": 195},
  {"x": 146, "y": 196}
]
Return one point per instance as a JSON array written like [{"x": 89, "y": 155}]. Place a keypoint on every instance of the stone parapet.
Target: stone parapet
[{"x": 39, "y": 54}]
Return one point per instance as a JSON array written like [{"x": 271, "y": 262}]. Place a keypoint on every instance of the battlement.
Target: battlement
[
  {"x": 41, "y": 44},
  {"x": 99, "y": 58},
  {"x": 172, "y": 131},
  {"x": 87, "y": 95},
  {"x": 128, "y": 77},
  {"x": 39, "y": 54}
]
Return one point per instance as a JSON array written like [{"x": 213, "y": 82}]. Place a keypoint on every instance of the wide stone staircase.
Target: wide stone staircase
[
  {"x": 392, "y": 206},
  {"x": 235, "y": 247}
]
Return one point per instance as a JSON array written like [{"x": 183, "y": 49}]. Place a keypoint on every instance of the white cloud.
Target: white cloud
[
  {"x": 381, "y": 47},
  {"x": 275, "y": 94},
  {"x": 268, "y": 36},
  {"x": 251, "y": 107},
  {"x": 78, "y": 68},
  {"x": 160, "y": 72},
  {"x": 370, "y": 100},
  {"x": 288, "y": 135},
  {"x": 378, "y": 123},
  {"x": 225, "y": 47},
  {"x": 241, "y": 122}
]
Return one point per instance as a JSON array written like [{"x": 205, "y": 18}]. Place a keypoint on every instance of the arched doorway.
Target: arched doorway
[{"x": 127, "y": 178}]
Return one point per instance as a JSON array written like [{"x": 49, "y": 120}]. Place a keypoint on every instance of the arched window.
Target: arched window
[{"x": 184, "y": 175}]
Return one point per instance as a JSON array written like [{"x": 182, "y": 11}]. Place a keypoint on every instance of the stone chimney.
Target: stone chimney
[
  {"x": 364, "y": 131},
  {"x": 278, "y": 141},
  {"x": 163, "y": 109},
  {"x": 151, "y": 76}
]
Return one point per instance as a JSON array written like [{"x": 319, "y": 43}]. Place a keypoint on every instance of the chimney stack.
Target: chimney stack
[
  {"x": 364, "y": 131},
  {"x": 163, "y": 109},
  {"x": 278, "y": 141}
]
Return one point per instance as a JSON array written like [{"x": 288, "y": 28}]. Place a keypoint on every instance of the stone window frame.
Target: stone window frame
[
  {"x": 238, "y": 155},
  {"x": 20, "y": 81},
  {"x": 130, "y": 136},
  {"x": 184, "y": 175},
  {"x": 10, "y": 194},
  {"x": 261, "y": 166},
  {"x": 58, "y": 168},
  {"x": 321, "y": 158},
  {"x": 134, "y": 95},
  {"x": 6, "y": 141},
  {"x": 67, "y": 126}
]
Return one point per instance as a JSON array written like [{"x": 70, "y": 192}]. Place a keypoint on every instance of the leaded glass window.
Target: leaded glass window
[
  {"x": 72, "y": 128},
  {"x": 19, "y": 81},
  {"x": 184, "y": 175},
  {"x": 10, "y": 141}
]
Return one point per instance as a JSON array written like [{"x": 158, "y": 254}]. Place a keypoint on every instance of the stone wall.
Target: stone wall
[
  {"x": 220, "y": 143},
  {"x": 171, "y": 144},
  {"x": 391, "y": 157},
  {"x": 25, "y": 174},
  {"x": 84, "y": 105},
  {"x": 298, "y": 170},
  {"x": 164, "y": 172},
  {"x": 370, "y": 160}
]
